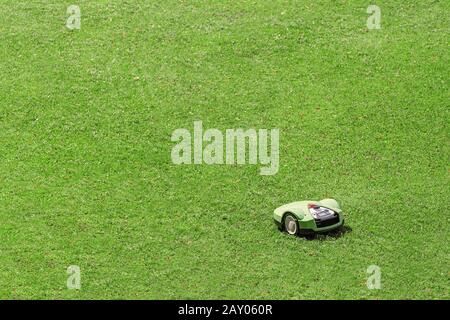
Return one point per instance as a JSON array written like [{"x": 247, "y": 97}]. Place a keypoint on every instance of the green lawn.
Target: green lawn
[{"x": 86, "y": 176}]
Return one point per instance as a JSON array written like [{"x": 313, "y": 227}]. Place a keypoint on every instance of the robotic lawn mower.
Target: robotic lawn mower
[{"x": 308, "y": 217}]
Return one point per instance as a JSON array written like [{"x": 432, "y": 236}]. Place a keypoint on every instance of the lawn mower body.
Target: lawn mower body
[{"x": 311, "y": 216}]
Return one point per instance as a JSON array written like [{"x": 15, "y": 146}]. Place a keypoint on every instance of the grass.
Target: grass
[{"x": 86, "y": 176}]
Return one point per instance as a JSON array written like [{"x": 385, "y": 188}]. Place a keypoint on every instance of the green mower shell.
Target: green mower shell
[{"x": 307, "y": 217}]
